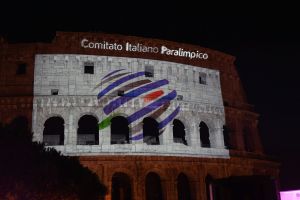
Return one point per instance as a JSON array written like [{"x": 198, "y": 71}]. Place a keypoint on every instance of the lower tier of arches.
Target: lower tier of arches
[{"x": 172, "y": 178}]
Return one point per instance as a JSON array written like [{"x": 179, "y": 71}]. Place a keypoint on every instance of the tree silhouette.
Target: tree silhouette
[{"x": 28, "y": 170}]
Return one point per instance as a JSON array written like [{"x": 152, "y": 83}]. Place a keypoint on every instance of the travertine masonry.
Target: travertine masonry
[{"x": 77, "y": 96}]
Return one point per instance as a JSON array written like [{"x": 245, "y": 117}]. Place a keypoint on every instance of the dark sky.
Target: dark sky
[{"x": 264, "y": 38}]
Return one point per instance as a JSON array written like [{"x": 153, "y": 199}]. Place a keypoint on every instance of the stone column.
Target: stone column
[
  {"x": 195, "y": 190},
  {"x": 195, "y": 135},
  {"x": 66, "y": 131},
  {"x": 139, "y": 129},
  {"x": 167, "y": 135},
  {"x": 100, "y": 137},
  {"x": 140, "y": 182},
  {"x": 72, "y": 133},
  {"x": 37, "y": 135},
  {"x": 188, "y": 134},
  {"x": 104, "y": 136},
  {"x": 109, "y": 189},
  {"x": 216, "y": 138},
  {"x": 169, "y": 189},
  {"x": 138, "y": 188}
]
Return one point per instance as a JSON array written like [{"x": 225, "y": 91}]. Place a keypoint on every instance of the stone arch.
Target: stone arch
[
  {"x": 188, "y": 122},
  {"x": 204, "y": 134},
  {"x": 121, "y": 186},
  {"x": 183, "y": 187},
  {"x": 40, "y": 119},
  {"x": 88, "y": 131},
  {"x": 185, "y": 119},
  {"x": 52, "y": 115},
  {"x": 119, "y": 130},
  {"x": 150, "y": 131},
  {"x": 86, "y": 113},
  {"x": 209, "y": 121},
  {"x": 122, "y": 114},
  {"x": 192, "y": 175},
  {"x": 162, "y": 173},
  {"x": 53, "y": 132},
  {"x": 153, "y": 186},
  {"x": 179, "y": 132},
  {"x": 124, "y": 169},
  {"x": 209, "y": 186}
]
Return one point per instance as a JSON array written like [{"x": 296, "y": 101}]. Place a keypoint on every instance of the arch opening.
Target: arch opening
[
  {"x": 179, "y": 132},
  {"x": 53, "y": 133},
  {"x": 210, "y": 189},
  {"x": 204, "y": 135},
  {"x": 121, "y": 187},
  {"x": 119, "y": 130},
  {"x": 183, "y": 187},
  {"x": 153, "y": 187},
  {"x": 150, "y": 131},
  {"x": 226, "y": 137},
  {"x": 88, "y": 131}
]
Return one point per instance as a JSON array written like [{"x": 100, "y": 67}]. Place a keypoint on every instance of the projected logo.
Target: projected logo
[{"x": 120, "y": 88}]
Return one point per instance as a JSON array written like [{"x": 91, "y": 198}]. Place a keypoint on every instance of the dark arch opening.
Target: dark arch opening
[
  {"x": 209, "y": 187},
  {"x": 153, "y": 187},
  {"x": 179, "y": 132},
  {"x": 183, "y": 187},
  {"x": 150, "y": 131},
  {"x": 226, "y": 137},
  {"x": 88, "y": 131},
  {"x": 204, "y": 135},
  {"x": 121, "y": 187},
  {"x": 119, "y": 130},
  {"x": 53, "y": 133}
]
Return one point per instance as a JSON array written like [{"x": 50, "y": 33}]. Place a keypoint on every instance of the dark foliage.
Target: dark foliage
[{"x": 28, "y": 170}]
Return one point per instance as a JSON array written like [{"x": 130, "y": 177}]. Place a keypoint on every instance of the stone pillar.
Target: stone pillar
[
  {"x": 109, "y": 189},
  {"x": 138, "y": 126},
  {"x": 100, "y": 137},
  {"x": 216, "y": 136},
  {"x": 140, "y": 184},
  {"x": 72, "y": 132},
  {"x": 188, "y": 136},
  {"x": 138, "y": 188},
  {"x": 169, "y": 189},
  {"x": 195, "y": 135},
  {"x": 195, "y": 190},
  {"x": 167, "y": 135},
  {"x": 104, "y": 136},
  {"x": 37, "y": 136},
  {"x": 68, "y": 130},
  {"x": 220, "y": 138},
  {"x": 213, "y": 138}
]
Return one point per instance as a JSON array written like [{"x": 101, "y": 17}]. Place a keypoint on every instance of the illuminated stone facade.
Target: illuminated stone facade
[
  {"x": 43, "y": 80},
  {"x": 77, "y": 96}
]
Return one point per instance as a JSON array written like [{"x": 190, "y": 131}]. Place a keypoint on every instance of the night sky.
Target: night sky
[{"x": 264, "y": 39}]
